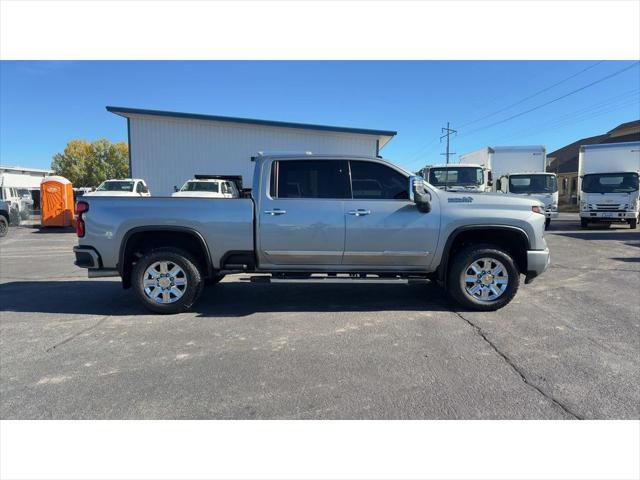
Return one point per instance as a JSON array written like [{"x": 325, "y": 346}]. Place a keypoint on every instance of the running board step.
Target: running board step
[{"x": 279, "y": 279}]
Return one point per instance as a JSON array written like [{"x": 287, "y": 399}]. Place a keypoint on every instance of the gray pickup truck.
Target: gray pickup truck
[{"x": 316, "y": 218}]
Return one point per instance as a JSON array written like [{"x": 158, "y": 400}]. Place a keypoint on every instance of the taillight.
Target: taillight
[{"x": 81, "y": 207}]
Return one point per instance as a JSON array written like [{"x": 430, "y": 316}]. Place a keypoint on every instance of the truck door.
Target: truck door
[
  {"x": 384, "y": 228},
  {"x": 301, "y": 219}
]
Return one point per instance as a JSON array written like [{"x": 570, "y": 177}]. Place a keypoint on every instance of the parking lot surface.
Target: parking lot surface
[{"x": 567, "y": 347}]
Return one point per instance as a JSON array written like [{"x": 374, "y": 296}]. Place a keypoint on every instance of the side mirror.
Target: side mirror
[
  {"x": 175, "y": 188},
  {"x": 418, "y": 194}
]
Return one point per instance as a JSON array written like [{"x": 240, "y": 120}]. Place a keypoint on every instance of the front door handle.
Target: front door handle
[
  {"x": 275, "y": 211},
  {"x": 359, "y": 212}
]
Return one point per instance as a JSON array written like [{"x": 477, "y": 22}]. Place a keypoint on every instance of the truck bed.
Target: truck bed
[{"x": 225, "y": 224}]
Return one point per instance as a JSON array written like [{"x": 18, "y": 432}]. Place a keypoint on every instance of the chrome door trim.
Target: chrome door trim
[
  {"x": 395, "y": 253},
  {"x": 304, "y": 253}
]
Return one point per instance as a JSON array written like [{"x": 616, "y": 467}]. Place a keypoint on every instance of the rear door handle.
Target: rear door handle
[
  {"x": 275, "y": 211},
  {"x": 359, "y": 212}
]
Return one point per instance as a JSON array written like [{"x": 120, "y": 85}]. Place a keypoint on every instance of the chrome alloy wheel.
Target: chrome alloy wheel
[
  {"x": 164, "y": 282},
  {"x": 485, "y": 279}
]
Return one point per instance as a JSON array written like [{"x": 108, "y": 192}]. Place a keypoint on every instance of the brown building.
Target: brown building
[{"x": 564, "y": 161}]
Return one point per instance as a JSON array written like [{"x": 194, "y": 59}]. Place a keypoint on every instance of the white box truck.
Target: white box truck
[
  {"x": 522, "y": 171},
  {"x": 608, "y": 183},
  {"x": 472, "y": 173}
]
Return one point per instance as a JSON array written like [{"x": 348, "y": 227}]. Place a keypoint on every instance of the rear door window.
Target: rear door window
[{"x": 310, "y": 179}]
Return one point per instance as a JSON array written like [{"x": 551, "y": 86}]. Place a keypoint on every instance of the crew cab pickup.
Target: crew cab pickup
[{"x": 316, "y": 218}]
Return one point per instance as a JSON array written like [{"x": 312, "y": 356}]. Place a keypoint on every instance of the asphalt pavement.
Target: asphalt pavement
[{"x": 567, "y": 347}]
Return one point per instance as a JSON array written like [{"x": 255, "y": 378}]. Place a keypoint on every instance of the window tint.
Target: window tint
[
  {"x": 310, "y": 179},
  {"x": 456, "y": 176},
  {"x": 371, "y": 180}
]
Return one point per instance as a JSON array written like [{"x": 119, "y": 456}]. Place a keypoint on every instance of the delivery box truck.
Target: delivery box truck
[
  {"x": 521, "y": 170},
  {"x": 608, "y": 183}
]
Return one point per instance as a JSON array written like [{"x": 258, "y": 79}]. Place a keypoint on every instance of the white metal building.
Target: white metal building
[
  {"x": 168, "y": 148},
  {"x": 22, "y": 177}
]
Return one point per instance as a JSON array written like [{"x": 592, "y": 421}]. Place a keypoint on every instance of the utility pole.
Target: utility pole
[{"x": 448, "y": 133}]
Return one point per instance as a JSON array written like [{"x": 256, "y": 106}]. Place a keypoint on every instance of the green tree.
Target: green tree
[{"x": 89, "y": 164}]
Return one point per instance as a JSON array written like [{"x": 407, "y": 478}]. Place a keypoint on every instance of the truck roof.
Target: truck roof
[
  {"x": 329, "y": 156},
  {"x": 452, "y": 165},
  {"x": 520, "y": 148},
  {"x": 612, "y": 146},
  {"x": 530, "y": 173},
  {"x": 124, "y": 180}
]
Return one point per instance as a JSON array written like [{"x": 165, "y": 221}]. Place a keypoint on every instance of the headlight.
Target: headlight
[
  {"x": 634, "y": 204},
  {"x": 537, "y": 209},
  {"x": 583, "y": 205}
]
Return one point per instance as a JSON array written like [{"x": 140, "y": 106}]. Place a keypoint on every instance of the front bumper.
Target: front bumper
[
  {"x": 608, "y": 216},
  {"x": 537, "y": 262}
]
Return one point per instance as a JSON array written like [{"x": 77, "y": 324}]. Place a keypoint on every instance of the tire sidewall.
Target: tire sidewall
[
  {"x": 468, "y": 256},
  {"x": 184, "y": 261},
  {"x": 4, "y": 226}
]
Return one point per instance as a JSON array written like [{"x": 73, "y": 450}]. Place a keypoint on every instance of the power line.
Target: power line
[
  {"x": 568, "y": 117},
  {"x": 532, "y": 95},
  {"x": 581, "y": 118},
  {"x": 584, "y": 87}
]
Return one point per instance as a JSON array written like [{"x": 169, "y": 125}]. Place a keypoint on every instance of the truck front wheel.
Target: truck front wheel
[
  {"x": 483, "y": 277},
  {"x": 167, "y": 280},
  {"x": 633, "y": 223},
  {"x": 584, "y": 223}
]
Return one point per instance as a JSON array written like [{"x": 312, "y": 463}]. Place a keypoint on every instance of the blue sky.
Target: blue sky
[{"x": 45, "y": 104}]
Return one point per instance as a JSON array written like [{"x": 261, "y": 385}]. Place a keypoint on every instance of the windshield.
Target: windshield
[
  {"x": 536, "y": 183},
  {"x": 456, "y": 176},
  {"x": 610, "y": 183},
  {"x": 116, "y": 186},
  {"x": 200, "y": 187}
]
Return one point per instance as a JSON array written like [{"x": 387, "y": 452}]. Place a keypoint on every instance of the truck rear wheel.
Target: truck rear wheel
[
  {"x": 4, "y": 226},
  {"x": 167, "y": 280},
  {"x": 483, "y": 277}
]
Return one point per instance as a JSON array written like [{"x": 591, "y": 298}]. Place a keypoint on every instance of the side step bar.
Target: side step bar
[{"x": 332, "y": 279}]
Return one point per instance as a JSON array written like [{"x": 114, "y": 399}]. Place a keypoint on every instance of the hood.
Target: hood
[
  {"x": 545, "y": 198},
  {"x": 110, "y": 194},
  {"x": 488, "y": 200},
  {"x": 197, "y": 194}
]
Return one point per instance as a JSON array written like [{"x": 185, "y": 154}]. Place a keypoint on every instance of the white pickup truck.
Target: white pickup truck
[
  {"x": 125, "y": 187},
  {"x": 317, "y": 218}
]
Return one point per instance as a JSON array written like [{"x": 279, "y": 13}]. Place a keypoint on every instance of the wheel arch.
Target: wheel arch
[
  {"x": 514, "y": 239},
  {"x": 131, "y": 239}
]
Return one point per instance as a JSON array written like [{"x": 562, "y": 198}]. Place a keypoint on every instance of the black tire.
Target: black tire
[
  {"x": 458, "y": 269},
  {"x": 584, "y": 223},
  {"x": 633, "y": 223},
  {"x": 4, "y": 226},
  {"x": 191, "y": 271},
  {"x": 14, "y": 216},
  {"x": 547, "y": 222}
]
